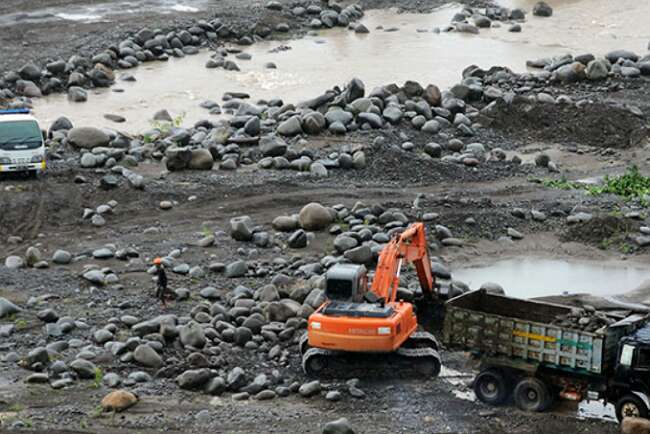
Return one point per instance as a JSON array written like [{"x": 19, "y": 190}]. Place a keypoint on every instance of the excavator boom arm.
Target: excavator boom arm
[{"x": 409, "y": 246}]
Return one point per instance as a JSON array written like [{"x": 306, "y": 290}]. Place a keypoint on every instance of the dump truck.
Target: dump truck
[{"x": 527, "y": 355}]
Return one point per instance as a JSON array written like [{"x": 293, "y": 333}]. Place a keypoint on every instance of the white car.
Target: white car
[{"x": 22, "y": 148}]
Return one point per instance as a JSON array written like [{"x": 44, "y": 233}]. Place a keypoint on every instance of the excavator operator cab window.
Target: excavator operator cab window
[{"x": 338, "y": 289}]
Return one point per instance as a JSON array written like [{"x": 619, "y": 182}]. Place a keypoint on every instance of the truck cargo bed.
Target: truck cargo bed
[{"x": 496, "y": 325}]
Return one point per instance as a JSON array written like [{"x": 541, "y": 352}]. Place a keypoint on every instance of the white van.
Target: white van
[{"x": 22, "y": 148}]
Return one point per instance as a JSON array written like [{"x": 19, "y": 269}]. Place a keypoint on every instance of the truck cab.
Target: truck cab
[
  {"x": 632, "y": 375},
  {"x": 22, "y": 148}
]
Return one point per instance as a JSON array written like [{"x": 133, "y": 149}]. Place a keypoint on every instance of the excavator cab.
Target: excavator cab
[{"x": 346, "y": 282}]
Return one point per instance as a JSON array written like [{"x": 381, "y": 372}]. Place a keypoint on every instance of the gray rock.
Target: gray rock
[
  {"x": 542, "y": 160},
  {"x": 614, "y": 56},
  {"x": 241, "y": 228},
  {"x": 147, "y": 356},
  {"x": 285, "y": 223},
  {"x": 191, "y": 335},
  {"x": 201, "y": 160},
  {"x": 310, "y": 389},
  {"x": 236, "y": 269},
  {"x": 493, "y": 288},
  {"x": 298, "y": 239},
  {"x": 7, "y": 308},
  {"x": 95, "y": 276},
  {"x": 597, "y": 69},
  {"x": 359, "y": 255},
  {"x": 216, "y": 386},
  {"x": 344, "y": 242},
  {"x": 88, "y": 137},
  {"x": 102, "y": 336},
  {"x": 393, "y": 114},
  {"x": 514, "y": 234},
  {"x": 272, "y": 146},
  {"x": 77, "y": 94},
  {"x": 236, "y": 379},
  {"x": 314, "y": 216},
  {"x": 194, "y": 378},
  {"x": 14, "y": 262},
  {"x": 84, "y": 368},
  {"x": 313, "y": 123},
  {"x": 581, "y": 217},
  {"x": 290, "y": 127},
  {"x": 542, "y": 9},
  {"x": 339, "y": 426},
  {"x": 112, "y": 380}
]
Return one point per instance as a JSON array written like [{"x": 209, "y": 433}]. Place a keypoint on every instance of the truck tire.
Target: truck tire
[
  {"x": 491, "y": 387},
  {"x": 631, "y": 406},
  {"x": 531, "y": 394}
]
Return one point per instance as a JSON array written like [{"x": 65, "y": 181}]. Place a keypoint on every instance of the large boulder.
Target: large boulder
[
  {"x": 354, "y": 90},
  {"x": 285, "y": 223},
  {"x": 201, "y": 160},
  {"x": 118, "y": 400},
  {"x": 542, "y": 9},
  {"x": 290, "y": 127},
  {"x": 30, "y": 72},
  {"x": 635, "y": 425},
  {"x": 28, "y": 88},
  {"x": 147, "y": 356},
  {"x": 338, "y": 426},
  {"x": 88, "y": 137},
  {"x": 241, "y": 228},
  {"x": 194, "y": 378},
  {"x": 191, "y": 335},
  {"x": 597, "y": 69},
  {"x": 314, "y": 217},
  {"x": 283, "y": 310},
  {"x": 272, "y": 146},
  {"x": 613, "y": 56},
  {"x": 313, "y": 122},
  {"x": 7, "y": 307},
  {"x": 432, "y": 95},
  {"x": 177, "y": 158}
]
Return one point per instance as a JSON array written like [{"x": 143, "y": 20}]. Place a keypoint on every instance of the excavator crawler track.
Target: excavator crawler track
[
  {"x": 303, "y": 344},
  {"x": 421, "y": 339},
  {"x": 422, "y": 361}
]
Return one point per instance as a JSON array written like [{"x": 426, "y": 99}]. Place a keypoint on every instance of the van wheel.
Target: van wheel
[
  {"x": 491, "y": 387},
  {"x": 630, "y": 406},
  {"x": 531, "y": 394}
]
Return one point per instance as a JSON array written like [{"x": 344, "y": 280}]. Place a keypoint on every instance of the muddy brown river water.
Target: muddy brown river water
[{"x": 316, "y": 63}]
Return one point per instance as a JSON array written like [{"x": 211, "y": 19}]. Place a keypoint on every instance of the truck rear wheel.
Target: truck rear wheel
[
  {"x": 491, "y": 387},
  {"x": 630, "y": 406},
  {"x": 531, "y": 394}
]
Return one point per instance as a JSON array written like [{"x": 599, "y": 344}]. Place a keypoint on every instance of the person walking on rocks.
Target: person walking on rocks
[{"x": 161, "y": 288}]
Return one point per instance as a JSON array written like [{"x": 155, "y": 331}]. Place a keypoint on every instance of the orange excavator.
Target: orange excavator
[{"x": 356, "y": 321}]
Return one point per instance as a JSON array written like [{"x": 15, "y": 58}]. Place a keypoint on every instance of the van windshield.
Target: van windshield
[{"x": 20, "y": 135}]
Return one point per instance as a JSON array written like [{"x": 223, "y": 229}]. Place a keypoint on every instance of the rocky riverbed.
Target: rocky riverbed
[{"x": 249, "y": 206}]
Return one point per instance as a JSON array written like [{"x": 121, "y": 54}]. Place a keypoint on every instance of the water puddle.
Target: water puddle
[
  {"x": 530, "y": 277},
  {"x": 314, "y": 64},
  {"x": 104, "y": 12}
]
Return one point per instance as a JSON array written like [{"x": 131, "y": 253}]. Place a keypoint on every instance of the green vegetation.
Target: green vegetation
[
  {"x": 21, "y": 324},
  {"x": 99, "y": 376},
  {"x": 630, "y": 185},
  {"x": 164, "y": 127},
  {"x": 16, "y": 408}
]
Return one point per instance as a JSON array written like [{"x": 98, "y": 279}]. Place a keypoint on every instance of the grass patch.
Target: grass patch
[
  {"x": 97, "y": 381},
  {"x": 16, "y": 408},
  {"x": 630, "y": 185}
]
